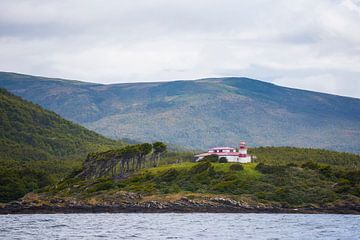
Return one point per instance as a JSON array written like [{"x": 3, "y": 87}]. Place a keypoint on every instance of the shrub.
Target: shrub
[
  {"x": 104, "y": 185},
  {"x": 325, "y": 170},
  {"x": 268, "y": 169},
  {"x": 210, "y": 158},
  {"x": 354, "y": 177},
  {"x": 174, "y": 188},
  {"x": 311, "y": 165},
  {"x": 169, "y": 175},
  {"x": 225, "y": 187},
  {"x": 223, "y": 160},
  {"x": 200, "y": 167},
  {"x": 236, "y": 167},
  {"x": 342, "y": 186}
]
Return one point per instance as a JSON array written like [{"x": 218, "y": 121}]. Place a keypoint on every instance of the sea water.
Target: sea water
[{"x": 180, "y": 226}]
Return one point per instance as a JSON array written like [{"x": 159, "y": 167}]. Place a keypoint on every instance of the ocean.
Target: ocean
[{"x": 180, "y": 226}]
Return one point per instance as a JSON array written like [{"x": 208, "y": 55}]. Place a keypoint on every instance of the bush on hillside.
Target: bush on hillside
[
  {"x": 236, "y": 167},
  {"x": 200, "y": 167},
  {"x": 354, "y": 177},
  {"x": 210, "y": 158},
  {"x": 223, "y": 160},
  {"x": 169, "y": 175},
  {"x": 269, "y": 169},
  {"x": 311, "y": 165},
  {"x": 325, "y": 170}
]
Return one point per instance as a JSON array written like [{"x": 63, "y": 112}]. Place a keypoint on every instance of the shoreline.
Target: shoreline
[{"x": 169, "y": 207}]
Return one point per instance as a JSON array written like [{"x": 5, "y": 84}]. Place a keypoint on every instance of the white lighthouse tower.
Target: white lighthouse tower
[{"x": 243, "y": 156}]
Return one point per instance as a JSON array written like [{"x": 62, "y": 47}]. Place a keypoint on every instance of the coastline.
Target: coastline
[{"x": 182, "y": 206}]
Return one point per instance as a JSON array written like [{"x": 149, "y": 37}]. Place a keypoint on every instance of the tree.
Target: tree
[
  {"x": 158, "y": 149},
  {"x": 143, "y": 150},
  {"x": 223, "y": 160},
  {"x": 128, "y": 154}
]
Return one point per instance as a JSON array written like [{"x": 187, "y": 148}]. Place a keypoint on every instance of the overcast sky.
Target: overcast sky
[{"x": 312, "y": 44}]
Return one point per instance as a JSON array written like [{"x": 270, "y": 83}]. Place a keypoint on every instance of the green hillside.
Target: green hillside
[
  {"x": 318, "y": 178},
  {"x": 28, "y": 132},
  {"x": 37, "y": 146}
]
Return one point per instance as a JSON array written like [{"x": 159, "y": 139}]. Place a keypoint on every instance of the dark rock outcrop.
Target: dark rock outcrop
[{"x": 183, "y": 205}]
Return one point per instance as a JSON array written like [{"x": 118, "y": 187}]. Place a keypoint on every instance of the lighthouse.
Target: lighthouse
[
  {"x": 243, "y": 156},
  {"x": 231, "y": 154}
]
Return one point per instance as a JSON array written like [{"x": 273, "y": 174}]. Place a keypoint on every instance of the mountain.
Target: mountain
[
  {"x": 201, "y": 113},
  {"x": 28, "y": 132},
  {"x": 38, "y": 147}
]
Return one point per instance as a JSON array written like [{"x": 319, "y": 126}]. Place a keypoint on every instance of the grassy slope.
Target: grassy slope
[
  {"x": 290, "y": 183},
  {"x": 37, "y": 147}
]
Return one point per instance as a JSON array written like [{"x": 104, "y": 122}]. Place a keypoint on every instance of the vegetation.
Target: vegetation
[
  {"x": 28, "y": 132},
  {"x": 37, "y": 147},
  {"x": 210, "y": 158},
  {"x": 187, "y": 114},
  {"x": 291, "y": 183},
  {"x": 214, "y": 158},
  {"x": 120, "y": 162},
  {"x": 20, "y": 177},
  {"x": 236, "y": 167},
  {"x": 298, "y": 156},
  {"x": 223, "y": 160}
]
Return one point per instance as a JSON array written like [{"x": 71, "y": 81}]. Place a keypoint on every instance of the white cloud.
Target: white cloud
[{"x": 313, "y": 45}]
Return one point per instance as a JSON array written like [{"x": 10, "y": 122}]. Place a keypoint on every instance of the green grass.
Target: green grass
[
  {"x": 163, "y": 168},
  {"x": 288, "y": 185}
]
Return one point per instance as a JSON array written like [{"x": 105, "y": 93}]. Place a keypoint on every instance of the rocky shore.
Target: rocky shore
[{"x": 183, "y": 205}]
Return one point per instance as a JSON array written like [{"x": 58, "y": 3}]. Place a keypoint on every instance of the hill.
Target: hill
[
  {"x": 202, "y": 113},
  {"x": 28, "y": 132},
  {"x": 38, "y": 147},
  {"x": 310, "y": 184}
]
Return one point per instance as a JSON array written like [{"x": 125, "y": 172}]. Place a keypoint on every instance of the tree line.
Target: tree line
[{"x": 118, "y": 163}]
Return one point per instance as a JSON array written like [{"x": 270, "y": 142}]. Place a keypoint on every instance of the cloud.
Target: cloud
[{"x": 312, "y": 45}]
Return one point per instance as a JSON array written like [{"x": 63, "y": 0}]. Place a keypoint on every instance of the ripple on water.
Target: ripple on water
[{"x": 179, "y": 226}]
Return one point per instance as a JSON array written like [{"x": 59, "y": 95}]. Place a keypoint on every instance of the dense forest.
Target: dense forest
[
  {"x": 28, "y": 132},
  {"x": 38, "y": 147}
]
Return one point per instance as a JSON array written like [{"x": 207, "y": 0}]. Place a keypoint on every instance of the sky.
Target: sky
[{"x": 306, "y": 44}]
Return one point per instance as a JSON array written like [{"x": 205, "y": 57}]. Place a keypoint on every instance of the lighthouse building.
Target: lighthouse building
[{"x": 231, "y": 154}]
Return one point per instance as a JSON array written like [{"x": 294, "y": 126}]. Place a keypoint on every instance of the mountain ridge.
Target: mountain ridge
[
  {"x": 191, "y": 113},
  {"x": 167, "y": 81}
]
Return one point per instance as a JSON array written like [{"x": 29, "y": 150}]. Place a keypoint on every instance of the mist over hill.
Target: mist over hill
[{"x": 200, "y": 113}]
